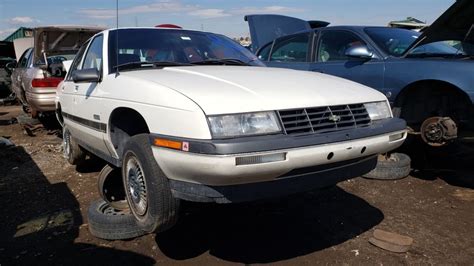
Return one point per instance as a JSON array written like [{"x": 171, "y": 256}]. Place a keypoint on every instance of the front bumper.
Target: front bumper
[{"x": 245, "y": 160}]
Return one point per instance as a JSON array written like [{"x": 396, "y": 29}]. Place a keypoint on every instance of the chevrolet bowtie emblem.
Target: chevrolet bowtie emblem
[{"x": 334, "y": 118}]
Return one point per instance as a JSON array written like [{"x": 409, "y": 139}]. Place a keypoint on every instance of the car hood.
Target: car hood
[
  {"x": 61, "y": 39},
  {"x": 239, "y": 89},
  {"x": 456, "y": 24}
]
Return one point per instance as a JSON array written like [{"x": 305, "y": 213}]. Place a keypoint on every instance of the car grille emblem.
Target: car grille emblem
[{"x": 334, "y": 118}]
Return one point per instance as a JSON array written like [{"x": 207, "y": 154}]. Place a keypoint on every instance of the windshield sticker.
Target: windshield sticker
[{"x": 185, "y": 38}]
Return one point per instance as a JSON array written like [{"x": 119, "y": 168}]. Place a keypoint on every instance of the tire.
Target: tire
[
  {"x": 111, "y": 189},
  {"x": 147, "y": 188},
  {"x": 71, "y": 150},
  {"x": 398, "y": 166},
  {"x": 108, "y": 223}
]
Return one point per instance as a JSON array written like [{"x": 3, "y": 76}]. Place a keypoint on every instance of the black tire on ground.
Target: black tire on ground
[
  {"x": 111, "y": 189},
  {"x": 71, "y": 150},
  {"x": 397, "y": 166},
  {"x": 147, "y": 187},
  {"x": 108, "y": 223}
]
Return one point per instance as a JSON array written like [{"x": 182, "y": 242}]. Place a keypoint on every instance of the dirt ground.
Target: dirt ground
[{"x": 44, "y": 205}]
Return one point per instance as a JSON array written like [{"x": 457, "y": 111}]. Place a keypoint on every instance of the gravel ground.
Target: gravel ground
[{"x": 45, "y": 200}]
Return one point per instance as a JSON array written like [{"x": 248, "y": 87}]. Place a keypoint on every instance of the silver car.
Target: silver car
[{"x": 39, "y": 69}]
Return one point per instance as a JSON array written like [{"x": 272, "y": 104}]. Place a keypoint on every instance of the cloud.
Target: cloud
[
  {"x": 209, "y": 13},
  {"x": 158, "y": 7},
  {"x": 21, "y": 20},
  {"x": 6, "y": 32},
  {"x": 266, "y": 10}
]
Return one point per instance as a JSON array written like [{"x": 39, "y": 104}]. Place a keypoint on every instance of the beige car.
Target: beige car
[{"x": 39, "y": 70}]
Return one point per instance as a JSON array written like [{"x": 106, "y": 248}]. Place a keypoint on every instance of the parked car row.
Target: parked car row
[
  {"x": 39, "y": 69},
  {"x": 428, "y": 81}
]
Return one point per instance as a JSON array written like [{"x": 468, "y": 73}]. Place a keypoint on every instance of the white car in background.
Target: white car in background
[{"x": 191, "y": 115}]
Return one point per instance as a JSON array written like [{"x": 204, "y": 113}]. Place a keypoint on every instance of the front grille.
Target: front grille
[{"x": 324, "y": 119}]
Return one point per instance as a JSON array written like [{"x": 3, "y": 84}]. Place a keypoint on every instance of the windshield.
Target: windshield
[
  {"x": 396, "y": 41},
  {"x": 175, "y": 46}
]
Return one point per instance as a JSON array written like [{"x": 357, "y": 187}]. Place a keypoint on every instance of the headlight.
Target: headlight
[
  {"x": 244, "y": 124},
  {"x": 378, "y": 110}
]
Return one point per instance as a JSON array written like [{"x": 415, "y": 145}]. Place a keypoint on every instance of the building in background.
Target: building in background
[
  {"x": 409, "y": 23},
  {"x": 21, "y": 32}
]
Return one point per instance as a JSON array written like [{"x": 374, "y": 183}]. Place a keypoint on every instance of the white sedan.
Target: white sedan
[{"x": 191, "y": 115}]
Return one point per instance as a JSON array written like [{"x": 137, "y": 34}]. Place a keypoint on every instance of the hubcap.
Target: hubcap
[{"x": 136, "y": 186}]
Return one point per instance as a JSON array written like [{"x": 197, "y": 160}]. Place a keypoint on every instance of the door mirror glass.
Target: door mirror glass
[
  {"x": 359, "y": 51},
  {"x": 89, "y": 75}
]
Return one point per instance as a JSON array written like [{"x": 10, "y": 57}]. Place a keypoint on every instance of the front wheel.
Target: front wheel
[{"x": 147, "y": 188}]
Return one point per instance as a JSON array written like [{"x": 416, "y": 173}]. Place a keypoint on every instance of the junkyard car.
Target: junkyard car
[
  {"x": 191, "y": 115},
  {"x": 7, "y": 55},
  {"x": 39, "y": 69},
  {"x": 428, "y": 81}
]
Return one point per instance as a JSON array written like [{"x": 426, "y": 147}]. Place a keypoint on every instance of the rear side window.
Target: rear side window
[
  {"x": 23, "y": 61},
  {"x": 293, "y": 49}
]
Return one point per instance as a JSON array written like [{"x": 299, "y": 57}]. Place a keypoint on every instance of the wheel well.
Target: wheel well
[
  {"x": 424, "y": 99},
  {"x": 125, "y": 123}
]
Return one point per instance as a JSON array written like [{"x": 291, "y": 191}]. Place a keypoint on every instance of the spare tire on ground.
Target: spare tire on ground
[
  {"x": 108, "y": 223},
  {"x": 391, "y": 167},
  {"x": 111, "y": 189}
]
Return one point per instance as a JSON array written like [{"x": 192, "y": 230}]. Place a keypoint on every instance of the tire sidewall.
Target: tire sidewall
[{"x": 156, "y": 183}]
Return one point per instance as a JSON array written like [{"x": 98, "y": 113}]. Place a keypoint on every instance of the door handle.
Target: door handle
[{"x": 76, "y": 88}]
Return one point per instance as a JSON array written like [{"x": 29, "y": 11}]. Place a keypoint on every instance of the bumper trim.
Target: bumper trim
[
  {"x": 301, "y": 180},
  {"x": 281, "y": 142}
]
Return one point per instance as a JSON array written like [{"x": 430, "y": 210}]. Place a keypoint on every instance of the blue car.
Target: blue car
[{"x": 428, "y": 78}]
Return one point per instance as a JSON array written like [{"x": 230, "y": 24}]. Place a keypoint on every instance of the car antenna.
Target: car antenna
[{"x": 117, "y": 39}]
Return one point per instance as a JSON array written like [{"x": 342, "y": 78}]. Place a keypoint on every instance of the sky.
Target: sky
[{"x": 220, "y": 16}]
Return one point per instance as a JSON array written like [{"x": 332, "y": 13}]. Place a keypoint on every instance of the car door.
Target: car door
[
  {"x": 88, "y": 124},
  {"x": 330, "y": 58},
  {"x": 291, "y": 52},
  {"x": 18, "y": 73}
]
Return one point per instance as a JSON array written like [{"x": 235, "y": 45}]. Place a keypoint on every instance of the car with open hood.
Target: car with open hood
[
  {"x": 39, "y": 69},
  {"x": 427, "y": 77},
  {"x": 189, "y": 115}
]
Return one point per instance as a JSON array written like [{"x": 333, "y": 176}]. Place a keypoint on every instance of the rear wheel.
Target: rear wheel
[
  {"x": 71, "y": 150},
  {"x": 147, "y": 187}
]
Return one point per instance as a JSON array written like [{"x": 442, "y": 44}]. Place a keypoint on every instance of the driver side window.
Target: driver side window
[
  {"x": 93, "y": 57},
  {"x": 334, "y": 44},
  {"x": 77, "y": 60}
]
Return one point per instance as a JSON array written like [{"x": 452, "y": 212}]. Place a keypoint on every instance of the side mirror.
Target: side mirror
[
  {"x": 11, "y": 66},
  {"x": 88, "y": 75},
  {"x": 67, "y": 65},
  {"x": 359, "y": 51}
]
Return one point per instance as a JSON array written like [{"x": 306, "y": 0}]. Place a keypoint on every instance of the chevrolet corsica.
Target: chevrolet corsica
[{"x": 190, "y": 115}]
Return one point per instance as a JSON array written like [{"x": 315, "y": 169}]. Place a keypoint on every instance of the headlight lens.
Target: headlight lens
[
  {"x": 260, "y": 123},
  {"x": 378, "y": 110}
]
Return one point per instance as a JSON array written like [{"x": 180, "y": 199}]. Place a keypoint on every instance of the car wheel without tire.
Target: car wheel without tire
[
  {"x": 147, "y": 187},
  {"x": 111, "y": 189},
  {"x": 395, "y": 166},
  {"x": 108, "y": 223},
  {"x": 71, "y": 150}
]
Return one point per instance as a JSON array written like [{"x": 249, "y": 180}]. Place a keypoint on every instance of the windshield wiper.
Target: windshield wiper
[
  {"x": 154, "y": 64},
  {"x": 222, "y": 61}
]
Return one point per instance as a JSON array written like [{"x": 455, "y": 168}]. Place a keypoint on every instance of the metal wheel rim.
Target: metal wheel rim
[
  {"x": 136, "y": 186},
  {"x": 110, "y": 211},
  {"x": 66, "y": 144}
]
